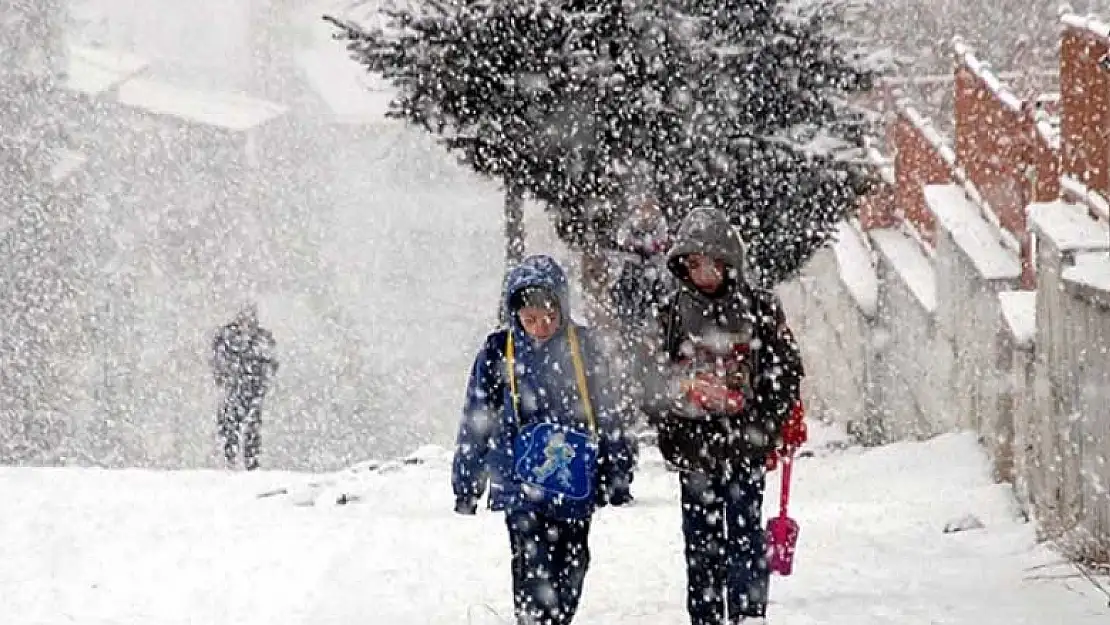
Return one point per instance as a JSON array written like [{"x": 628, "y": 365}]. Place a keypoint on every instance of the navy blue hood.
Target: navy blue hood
[{"x": 539, "y": 271}]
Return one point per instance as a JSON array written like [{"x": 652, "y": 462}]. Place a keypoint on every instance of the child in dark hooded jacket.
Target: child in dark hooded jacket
[
  {"x": 540, "y": 425},
  {"x": 723, "y": 393}
]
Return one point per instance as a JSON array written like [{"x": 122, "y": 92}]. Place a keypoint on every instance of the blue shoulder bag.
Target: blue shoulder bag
[{"x": 555, "y": 463}]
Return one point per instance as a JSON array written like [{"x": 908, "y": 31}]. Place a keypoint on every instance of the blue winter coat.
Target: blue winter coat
[{"x": 548, "y": 393}]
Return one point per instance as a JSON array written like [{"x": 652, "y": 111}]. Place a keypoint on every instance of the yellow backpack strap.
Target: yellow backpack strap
[
  {"x": 510, "y": 355},
  {"x": 580, "y": 376}
]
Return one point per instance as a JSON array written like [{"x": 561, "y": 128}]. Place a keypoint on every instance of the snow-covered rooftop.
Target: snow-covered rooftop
[
  {"x": 93, "y": 71},
  {"x": 222, "y": 110}
]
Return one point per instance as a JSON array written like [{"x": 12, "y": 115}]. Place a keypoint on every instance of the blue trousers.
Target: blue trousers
[
  {"x": 549, "y": 560},
  {"x": 726, "y": 562}
]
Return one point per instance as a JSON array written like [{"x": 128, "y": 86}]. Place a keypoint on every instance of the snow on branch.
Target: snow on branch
[{"x": 966, "y": 58}]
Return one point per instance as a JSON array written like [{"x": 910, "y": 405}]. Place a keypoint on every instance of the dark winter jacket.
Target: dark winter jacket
[
  {"x": 631, "y": 292},
  {"x": 243, "y": 355},
  {"x": 548, "y": 392},
  {"x": 739, "y": 333}
]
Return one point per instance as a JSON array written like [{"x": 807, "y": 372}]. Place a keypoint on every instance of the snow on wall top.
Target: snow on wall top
[
  {"x": 941, "y": 144},
  {"x": 1089, "y": 23},
  {"x": 944, "y": 149},
  {"x": 222, "y": 110},
  {"x": 93, "y": 71},
  {"x": 956, "y": 214},
  {"x": 1019, "y": 312},
  {"x": 857, "y": 271},
  {"x": 909, "y": 261},
  {"x": 1068, "y": 226},
  {"x": 981, "y": 70},
  {"x": 1092, "y": 271},
  {"x": 1093, "y": 199}
]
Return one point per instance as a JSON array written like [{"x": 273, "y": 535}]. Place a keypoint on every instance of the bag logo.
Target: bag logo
[{"x": 558, "y": 456}]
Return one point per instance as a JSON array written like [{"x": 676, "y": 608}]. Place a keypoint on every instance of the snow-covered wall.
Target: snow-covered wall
[
  {"x": 948, "y": 344},
  {"x": 1072, "y": 405},
  {"x": 972, "y": 268},
  {"x": 836, "y": 323},
  {"x": 916, "y": 357}
]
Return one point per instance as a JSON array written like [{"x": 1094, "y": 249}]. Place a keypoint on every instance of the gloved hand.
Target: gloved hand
[
  {"x": 794, "y": 435},
  {"x": 710, "y": 394},
  {"x": 467, "y": 506},
  {"x": 794, "y": 431}
]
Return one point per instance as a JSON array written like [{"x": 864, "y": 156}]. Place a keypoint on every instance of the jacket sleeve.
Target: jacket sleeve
[
  {"x": 779, "y": 379},
  {"x": 479, "y": 424},
  {"x": 660, "y": 392},
  {"x": 614, "y": 448}
]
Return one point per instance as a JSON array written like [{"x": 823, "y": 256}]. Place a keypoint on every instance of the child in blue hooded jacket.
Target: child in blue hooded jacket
[{"x": 540, "y": 424}]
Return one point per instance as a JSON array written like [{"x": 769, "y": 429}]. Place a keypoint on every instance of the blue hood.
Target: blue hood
[{"x": 537, "y": 271}]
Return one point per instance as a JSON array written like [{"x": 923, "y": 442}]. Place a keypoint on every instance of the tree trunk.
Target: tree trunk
[
  {"x": 514, "y": 239},
  {"x": 514, "y": 228}
]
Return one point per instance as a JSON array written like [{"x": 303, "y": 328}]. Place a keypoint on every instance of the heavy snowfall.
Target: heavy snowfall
[{"x": 175, "y": 172}]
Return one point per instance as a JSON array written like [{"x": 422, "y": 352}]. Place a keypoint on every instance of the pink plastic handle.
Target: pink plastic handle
[{"x": 784, "y": 494}]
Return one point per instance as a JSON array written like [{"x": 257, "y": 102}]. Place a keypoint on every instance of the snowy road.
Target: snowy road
[{"x": 137, "y": 547}]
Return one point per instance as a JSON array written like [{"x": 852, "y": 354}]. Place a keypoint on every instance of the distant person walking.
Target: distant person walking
[{"x": 243, "y": 364}]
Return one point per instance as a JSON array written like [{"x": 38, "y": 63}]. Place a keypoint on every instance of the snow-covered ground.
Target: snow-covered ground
[{"x": 137, "y": 547}]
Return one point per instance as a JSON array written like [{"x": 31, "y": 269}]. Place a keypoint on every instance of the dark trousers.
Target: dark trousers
[
  {"x": 726, "y": 562},
  {"x": 549, "y": 560},
  {"x": 240, "y": 423}
]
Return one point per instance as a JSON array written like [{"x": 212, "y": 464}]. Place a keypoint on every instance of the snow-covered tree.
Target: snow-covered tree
[{"x": 739, "y": 104}]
